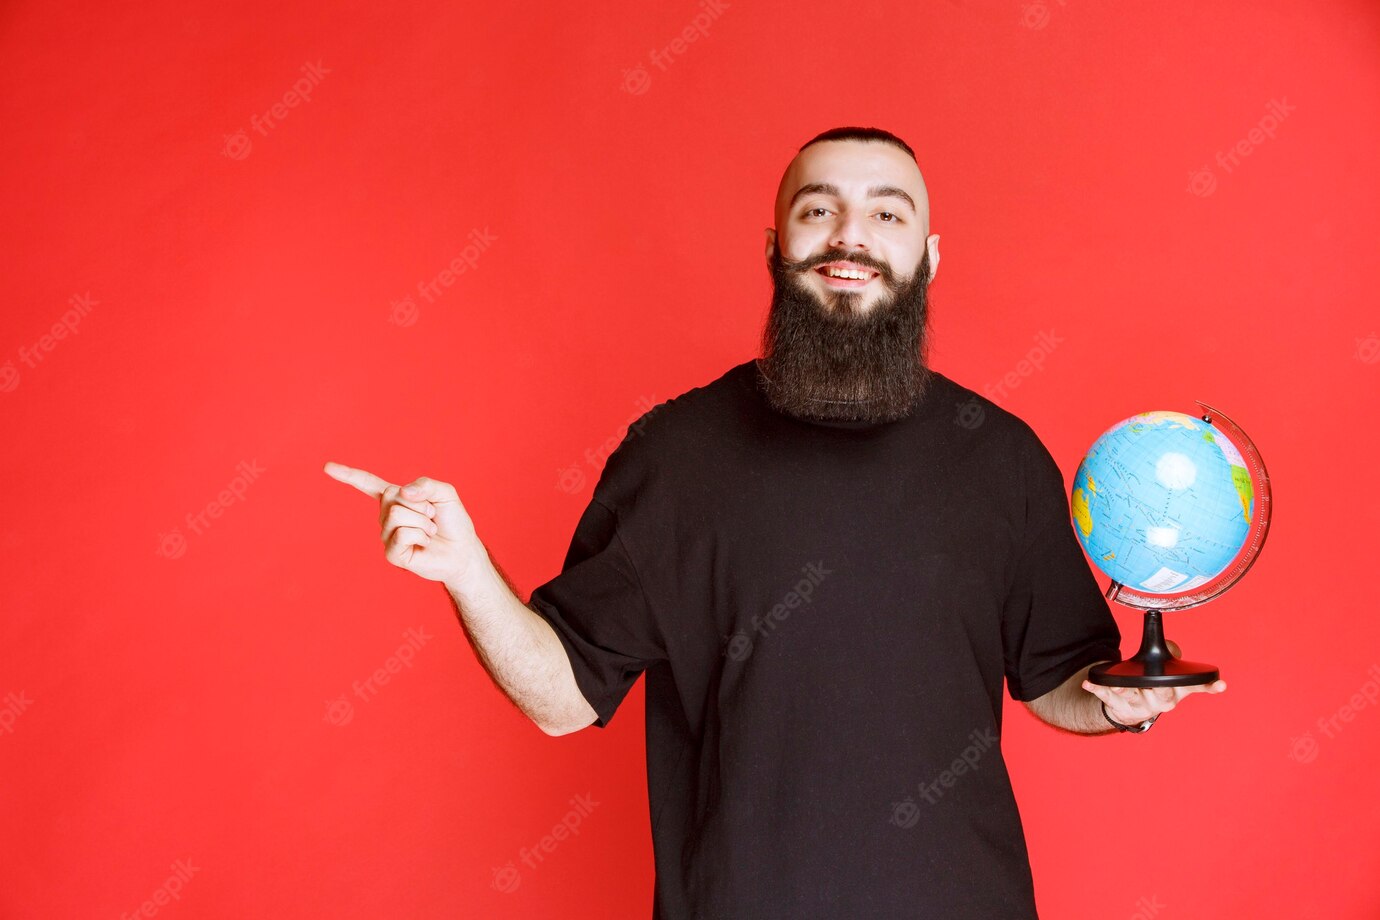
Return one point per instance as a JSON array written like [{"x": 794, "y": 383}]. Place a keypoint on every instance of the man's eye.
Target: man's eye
[
  {"x": 893, "y": 216},
  {"x": 810, "y": 213}
]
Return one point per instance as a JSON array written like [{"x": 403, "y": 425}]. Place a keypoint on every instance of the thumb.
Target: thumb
[{"x": 1174, "y": 648}]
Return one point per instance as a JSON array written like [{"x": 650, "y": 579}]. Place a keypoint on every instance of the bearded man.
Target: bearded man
[{"x": 828, "y": 562}]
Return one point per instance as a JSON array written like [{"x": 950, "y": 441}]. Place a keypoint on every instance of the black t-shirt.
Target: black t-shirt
[{"x": 825, "y": 612}]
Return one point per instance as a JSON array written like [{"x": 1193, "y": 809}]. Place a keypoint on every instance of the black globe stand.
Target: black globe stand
[{"x": 1154, "y": 665}]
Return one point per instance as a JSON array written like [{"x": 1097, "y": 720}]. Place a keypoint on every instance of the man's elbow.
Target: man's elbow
[{"x": 582, "y": 721}]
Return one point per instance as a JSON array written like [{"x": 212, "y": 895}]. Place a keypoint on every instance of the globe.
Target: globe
[
  {"x": 1173, "y": 511},
  {"x": 1163, "y": 502}
]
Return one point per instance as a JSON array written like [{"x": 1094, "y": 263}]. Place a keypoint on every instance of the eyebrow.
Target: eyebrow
[{"x": 877, "y": 191}]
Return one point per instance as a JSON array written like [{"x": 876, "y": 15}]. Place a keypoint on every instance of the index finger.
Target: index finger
[{"x": 363, "y": 480}]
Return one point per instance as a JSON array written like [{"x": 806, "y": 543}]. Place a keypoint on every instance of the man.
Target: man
[{"x": 826, "y": 561}]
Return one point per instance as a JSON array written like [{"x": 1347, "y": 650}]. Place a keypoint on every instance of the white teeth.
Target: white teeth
[{"x": 847, "y": 273}]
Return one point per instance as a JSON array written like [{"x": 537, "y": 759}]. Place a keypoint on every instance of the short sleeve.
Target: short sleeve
[
  {"x": 1055, "y": 620},
  {"x": 597, "y": 607}
]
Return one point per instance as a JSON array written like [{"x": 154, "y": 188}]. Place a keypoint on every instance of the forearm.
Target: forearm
[
  {"x": 520, "y": 651},
  {"x": 1072, "y": 708}
]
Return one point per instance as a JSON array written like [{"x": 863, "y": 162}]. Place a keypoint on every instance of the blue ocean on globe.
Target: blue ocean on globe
[{"x": 1162, "y": 502}]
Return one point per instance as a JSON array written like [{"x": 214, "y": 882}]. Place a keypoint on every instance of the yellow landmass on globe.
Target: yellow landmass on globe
[
  {"x": 1241, "y": 479},
  {"x": 1173, "y": 418},
  {"x": 1163, "y": 416},
  {"x": 1107, "y": 557},
  {"x": 1081, "y": 513}
]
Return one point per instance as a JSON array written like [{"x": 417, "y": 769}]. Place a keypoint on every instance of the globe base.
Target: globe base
[{"x": 1153, "y": 665}]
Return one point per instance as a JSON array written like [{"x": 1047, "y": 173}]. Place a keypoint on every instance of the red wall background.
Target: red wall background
[{"x": 188, "y": 600}]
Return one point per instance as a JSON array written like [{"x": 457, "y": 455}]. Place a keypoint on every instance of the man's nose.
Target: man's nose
[{"x": 850, "y": 233}]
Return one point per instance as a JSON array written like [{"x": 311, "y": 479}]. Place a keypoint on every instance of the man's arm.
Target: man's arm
[
  {"x": 427, "y": 531},
  {"x": 1070, "y": 707},
  {"x": 520, "y": 650}
]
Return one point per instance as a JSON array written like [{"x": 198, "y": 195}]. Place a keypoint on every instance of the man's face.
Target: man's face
[{"x": 849, "y": 347}]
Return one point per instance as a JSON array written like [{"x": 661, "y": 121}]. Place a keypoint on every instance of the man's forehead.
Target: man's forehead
[{"x": 853, "y": 167}]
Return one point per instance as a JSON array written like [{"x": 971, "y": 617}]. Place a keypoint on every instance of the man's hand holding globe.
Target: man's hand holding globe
[{"x": 1130, "y": 705}]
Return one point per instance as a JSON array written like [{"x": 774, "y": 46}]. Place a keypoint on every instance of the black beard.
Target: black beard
[{"x": 836, "y": 363}]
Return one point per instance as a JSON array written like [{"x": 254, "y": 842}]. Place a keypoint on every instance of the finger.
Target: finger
[
  {"x": 398, "y": 516},
  {"x": 392, "y": 496},
  {"x": 1217, "y": 686},
  {"x": 424, "y": 488},
  {"x": 1105, "y": 694},
  {"x": 1123, "y": 703},
  {"x": 405, "y": 541},
  {"x": 1174, "y": 648},
  {"x": 363, "y": 480}
]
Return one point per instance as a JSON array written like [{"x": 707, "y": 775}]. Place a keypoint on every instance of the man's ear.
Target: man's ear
[
  {"x": 932, "y": 243},
  {"x": 771, "y": 245}
]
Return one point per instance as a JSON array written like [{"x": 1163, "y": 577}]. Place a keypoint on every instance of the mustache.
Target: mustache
[{"x": 810, "y": 263}]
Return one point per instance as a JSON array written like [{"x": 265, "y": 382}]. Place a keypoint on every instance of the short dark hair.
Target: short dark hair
[{"x": 860, "y": 134}]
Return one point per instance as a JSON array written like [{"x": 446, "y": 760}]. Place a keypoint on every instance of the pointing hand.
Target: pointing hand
[{"x": 426, "y": 529}]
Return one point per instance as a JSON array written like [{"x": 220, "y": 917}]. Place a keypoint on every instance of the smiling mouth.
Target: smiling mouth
[{"x": 845, "y": 275}]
